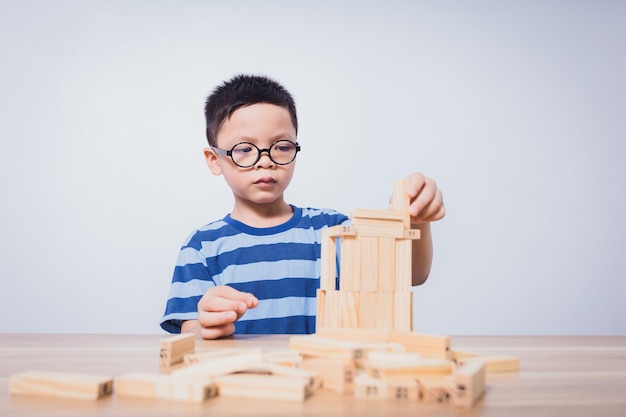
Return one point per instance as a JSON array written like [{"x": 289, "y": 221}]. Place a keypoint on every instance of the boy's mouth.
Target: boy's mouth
[{"x": 265, "y": 181}]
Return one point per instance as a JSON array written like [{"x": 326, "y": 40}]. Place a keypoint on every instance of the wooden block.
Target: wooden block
[
  {"x": 339, "y": 231},
  {"x": 397, "y": 215},
  {"x": 367, "y": 311},
  {"x": 436, "y": 390},
  {"x": 407, "y": 390},
  {"x": 373, "y": 357},
  {"x": 370, "y": 388},
  {"x": 328, "y": 261},
  {"x": 429, "y": 346},
  {"x": 413, "y": 234},
  {"x": 494, "y": 363},
  {"x": 321, "y": 309},
  {"x": 373, "y": 388},
  {"x": 332, "y": 312},
  {"x": 268, "y": 387},
  {"x": 403, "y": 311},
  {"x": 459, "y": 355},
  {"x": 147, "y": 385},
  {"x": 316, "y": 346},
  {"x": 424, "y": 367},
  {"x": 376, "y": 310},
  {"x": 167, "y": 370},
  {"x": 400, "y": 200},
  {"x": 223, "y": 365},
  {"x": 266, "y": 368},
  {"x": 378, "y": 227},
  {"x": 369, "y": 264},
  {"x": 383, "y": 313},
  {"x": 348, "y": 264},
  {"x": 174, "y": 349},
  {"x": 284, "y": 357},
  {"x": 386, "y": 264},
  {"x": 348, "y": 309},
  {"x": 469, "y": 383},
  {"x": 404, "y": 264},
  {"x": 280, "y": 370},
  {"x": 336, "y": 375},
  {"x": 355, "y": 335},
  {"x": 191, "y": 359},
  {"x": 61, "y": 385}
]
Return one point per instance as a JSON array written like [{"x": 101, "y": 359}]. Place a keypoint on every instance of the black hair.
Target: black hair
[{"x": 240, "y": 91}]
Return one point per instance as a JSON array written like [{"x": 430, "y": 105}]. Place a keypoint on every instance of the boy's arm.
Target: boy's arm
[{"x": 426, "y": 206}]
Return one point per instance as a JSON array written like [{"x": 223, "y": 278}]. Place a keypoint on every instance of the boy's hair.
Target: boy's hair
[{"x": 240, "y": 91}]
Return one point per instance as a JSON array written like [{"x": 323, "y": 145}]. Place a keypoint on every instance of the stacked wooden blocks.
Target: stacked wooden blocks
[{"x": 374, "y": 289}]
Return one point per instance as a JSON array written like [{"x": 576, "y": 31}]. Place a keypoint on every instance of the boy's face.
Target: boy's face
[{"x": 261, "y": 124}]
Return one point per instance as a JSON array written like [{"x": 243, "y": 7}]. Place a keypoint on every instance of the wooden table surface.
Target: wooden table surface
[{"x": 560, "y": 376}]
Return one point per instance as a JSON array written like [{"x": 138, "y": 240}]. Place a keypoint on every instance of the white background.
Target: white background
[{"x": 516, "y": 108}]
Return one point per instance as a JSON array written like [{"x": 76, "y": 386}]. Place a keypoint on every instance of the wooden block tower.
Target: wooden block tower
[{"x": 375, "y": 269}]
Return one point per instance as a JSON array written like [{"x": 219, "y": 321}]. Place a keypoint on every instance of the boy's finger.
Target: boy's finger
[
  {"x": 220, "y": 304},
  {"x": 218, "y": 331},
  {"x": 417, "y": 181},
  {"x": 225, "y": 291},
  {"x": 216, "y": 319},
  {"x": 434, "y": 210},
  {"x": 423, "y": 199}
]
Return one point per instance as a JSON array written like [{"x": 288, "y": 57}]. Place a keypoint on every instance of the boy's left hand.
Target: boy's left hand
[{"x": 426, "y": 199}]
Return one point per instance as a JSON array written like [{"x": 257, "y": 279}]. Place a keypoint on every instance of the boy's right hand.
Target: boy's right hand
[{"x": 218, "y": 309}]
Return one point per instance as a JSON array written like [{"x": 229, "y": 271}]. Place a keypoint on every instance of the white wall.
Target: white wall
[{"x": 516, "y": 108}]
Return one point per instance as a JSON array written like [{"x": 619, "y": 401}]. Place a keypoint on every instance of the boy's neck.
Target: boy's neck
[{"x": 262, "y": 215}]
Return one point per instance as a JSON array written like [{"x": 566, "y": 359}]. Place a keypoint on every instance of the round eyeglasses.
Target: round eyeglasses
[{"x": 246, "y": 154}]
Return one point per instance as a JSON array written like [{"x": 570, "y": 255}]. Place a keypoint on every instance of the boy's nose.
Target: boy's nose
[{"x": 264, "y": 162}]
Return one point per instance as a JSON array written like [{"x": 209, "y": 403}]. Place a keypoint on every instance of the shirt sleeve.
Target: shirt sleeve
[{"x": 191, "y": 279}]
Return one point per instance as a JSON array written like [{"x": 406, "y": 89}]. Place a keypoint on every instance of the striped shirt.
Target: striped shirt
[{"x": 279, "y": 265}]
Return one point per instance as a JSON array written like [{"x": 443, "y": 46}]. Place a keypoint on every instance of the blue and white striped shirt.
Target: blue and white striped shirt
[{"x": 279, "y": 265}]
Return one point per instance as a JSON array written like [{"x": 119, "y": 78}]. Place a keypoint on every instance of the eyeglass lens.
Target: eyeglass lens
[{"x": 247, "y": 154}]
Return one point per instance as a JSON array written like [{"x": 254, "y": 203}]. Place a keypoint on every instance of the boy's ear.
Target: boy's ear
[{"x": 212, "y": 161}]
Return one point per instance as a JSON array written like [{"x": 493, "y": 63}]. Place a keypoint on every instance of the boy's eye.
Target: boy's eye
[
  {"x": 242, "y": 149},
  {"x": 284, "y": 147}
]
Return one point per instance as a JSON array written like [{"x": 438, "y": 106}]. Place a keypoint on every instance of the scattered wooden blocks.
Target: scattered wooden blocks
[{"x": 61, "y": 385}]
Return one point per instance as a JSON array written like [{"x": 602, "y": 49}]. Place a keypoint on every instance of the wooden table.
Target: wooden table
[{"x": 560, "y": 376}]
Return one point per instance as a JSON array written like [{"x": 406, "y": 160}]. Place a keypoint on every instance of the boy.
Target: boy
[{"x": 257, "y": 269}]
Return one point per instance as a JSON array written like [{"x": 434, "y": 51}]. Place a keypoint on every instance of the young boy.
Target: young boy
[{"x": 257, "y": 269}]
